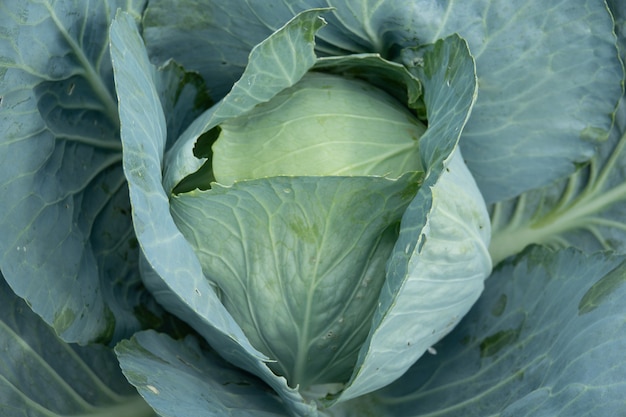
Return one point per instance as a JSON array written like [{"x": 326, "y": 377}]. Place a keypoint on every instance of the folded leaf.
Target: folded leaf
[
  {"x": 288, "y": 53},
  {"x": 171, "y": 268},
  {"x": 437, "y": 268}
]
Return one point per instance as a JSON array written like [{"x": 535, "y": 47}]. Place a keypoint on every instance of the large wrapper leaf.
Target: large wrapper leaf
[
  {"x": 546, "y": 339},
  {"x": 67, "y": 241},
  {"x": 172, "y": 270},
  {"x": 587, "y": 210}
]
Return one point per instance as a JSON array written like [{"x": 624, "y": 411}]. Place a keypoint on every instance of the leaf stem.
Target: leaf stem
[{"x": 579, "y": 215}]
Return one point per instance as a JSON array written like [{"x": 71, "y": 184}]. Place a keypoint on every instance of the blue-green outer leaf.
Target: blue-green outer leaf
[
  {"x": 180, "y": 379},
  {"x": 43, "y": 376},
  {"x": 546, "y": 339},
  {"x": 67, "y": 242},
  {"x": 549, "y": 84},
  {"x": 587, "y": 210}
]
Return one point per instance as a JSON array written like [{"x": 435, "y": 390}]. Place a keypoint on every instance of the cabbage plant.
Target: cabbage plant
[{"x": 312, "y": 208}]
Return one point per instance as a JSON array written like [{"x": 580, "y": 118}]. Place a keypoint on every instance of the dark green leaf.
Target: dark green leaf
[{"x": 42, "y": 376}]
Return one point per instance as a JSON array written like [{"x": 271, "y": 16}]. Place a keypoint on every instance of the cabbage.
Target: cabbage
[{"x": 306, "y": 208}]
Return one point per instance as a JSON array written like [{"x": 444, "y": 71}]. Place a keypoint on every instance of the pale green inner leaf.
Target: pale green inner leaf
[{"x": 299, "y": 262}]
